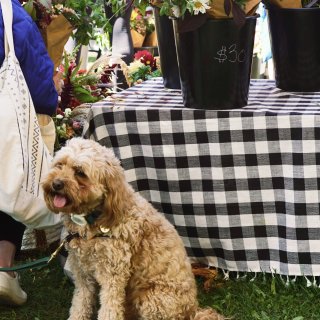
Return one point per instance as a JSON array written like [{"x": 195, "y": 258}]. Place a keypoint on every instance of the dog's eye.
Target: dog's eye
[
  {"x": 58, "y": 165},
  {"x": 79, "y": 172}
]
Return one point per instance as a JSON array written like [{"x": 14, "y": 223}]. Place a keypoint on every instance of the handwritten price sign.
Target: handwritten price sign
[{"x": 230, "y": 54}]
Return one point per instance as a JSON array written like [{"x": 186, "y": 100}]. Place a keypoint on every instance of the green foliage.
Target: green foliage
[
  {"x": 141, "y": 73},
  {"x": 79, "y": 82},
  {"x": 86, "y": 16},
  {"x": 89, "y": 16}
]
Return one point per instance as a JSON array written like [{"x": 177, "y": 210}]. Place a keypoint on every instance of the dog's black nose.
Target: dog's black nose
[{"x": 57, "y": 184}]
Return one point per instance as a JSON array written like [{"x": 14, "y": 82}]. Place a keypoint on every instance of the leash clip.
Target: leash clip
[{"x": 68, "y": 238}]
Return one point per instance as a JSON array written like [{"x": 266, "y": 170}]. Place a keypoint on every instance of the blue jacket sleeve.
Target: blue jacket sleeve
[{"x": 37, "y": 68}]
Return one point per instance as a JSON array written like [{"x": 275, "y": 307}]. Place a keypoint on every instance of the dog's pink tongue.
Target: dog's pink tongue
[{"x": 59, "y": 201}]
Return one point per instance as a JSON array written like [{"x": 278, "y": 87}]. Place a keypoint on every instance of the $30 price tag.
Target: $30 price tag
[{"x": 230, "y": 54}]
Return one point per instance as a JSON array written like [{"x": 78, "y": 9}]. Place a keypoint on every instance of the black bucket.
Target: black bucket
[
  {"x": 167, "y": 51},
  {"x": 215, "y": 63},
  {"x": 295, "y": 42}
]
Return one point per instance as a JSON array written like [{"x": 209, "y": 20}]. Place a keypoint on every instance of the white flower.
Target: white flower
[
  {"x": 134, "y": 66},
  {"x": 200, "y": 6},
  {"x": 59, "y": 116},
  {"x": 59, "y": 6},
  {"x": 176, "y": 11},
  {"x": 67, "y": 112}
]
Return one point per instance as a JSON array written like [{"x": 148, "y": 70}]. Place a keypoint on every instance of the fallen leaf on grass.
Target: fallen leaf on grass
[{"x": 208, "y": 273}]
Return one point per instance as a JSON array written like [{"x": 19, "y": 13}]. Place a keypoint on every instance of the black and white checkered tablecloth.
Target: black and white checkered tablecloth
[{"x": 241, "y": 186}]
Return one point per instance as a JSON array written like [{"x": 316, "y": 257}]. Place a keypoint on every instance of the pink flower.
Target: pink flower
[{"x": 76, "y": 125}]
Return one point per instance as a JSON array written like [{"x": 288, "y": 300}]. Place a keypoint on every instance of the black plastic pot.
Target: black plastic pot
[
  {"x": 167, "y": 51},
  {"x": 295, "y": 42},
  {"x": 215, "y": 63}
]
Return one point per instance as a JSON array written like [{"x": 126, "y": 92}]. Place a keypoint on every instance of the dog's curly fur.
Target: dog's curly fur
[{"x": 141, "y": 268}]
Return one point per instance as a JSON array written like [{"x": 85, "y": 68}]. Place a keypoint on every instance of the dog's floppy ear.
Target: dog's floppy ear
[{"x": 118, "y": 193}]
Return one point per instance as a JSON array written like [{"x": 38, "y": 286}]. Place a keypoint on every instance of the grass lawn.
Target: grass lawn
[{"x": 264, "y": 298}]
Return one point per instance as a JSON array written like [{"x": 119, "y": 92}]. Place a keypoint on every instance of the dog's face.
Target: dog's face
[{"x": 82, "y": 176}]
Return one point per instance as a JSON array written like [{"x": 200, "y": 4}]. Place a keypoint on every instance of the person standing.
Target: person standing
[{"x": 38, "y": 72}]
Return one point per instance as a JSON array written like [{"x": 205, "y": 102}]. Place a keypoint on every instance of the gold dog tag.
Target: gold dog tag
[{"x": 105, "y": 231}]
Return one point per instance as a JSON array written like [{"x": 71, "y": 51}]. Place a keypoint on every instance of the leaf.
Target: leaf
[
  {"x": 273, "y": 286},
  {"x": 298, "y": 318},
  {"x": 29, "y": 7},
  {"x": 258, "y": 291},
  {"x": 190, "y": 23},
  {"x": 227, "y": 7},
  {"x": 239, "y": 15},
  {"x": 264, "y": 316},
  {"x": 255, "y": 315},
  {"x": 80, "y": 90},
  {"x": 84, "y": 95}
]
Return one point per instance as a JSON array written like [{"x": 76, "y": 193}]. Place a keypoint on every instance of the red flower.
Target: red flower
[{"x": 146, "y": 58}]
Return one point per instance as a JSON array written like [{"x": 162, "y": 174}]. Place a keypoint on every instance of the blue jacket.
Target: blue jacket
[{"x": 34, "y": 60}]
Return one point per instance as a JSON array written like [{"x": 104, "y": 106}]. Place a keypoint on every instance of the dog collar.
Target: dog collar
[{"x": 83, "y": 219}]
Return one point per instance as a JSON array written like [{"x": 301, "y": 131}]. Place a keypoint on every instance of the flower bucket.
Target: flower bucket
[
  {"x": 137, "y": 38},
  {"x": 167, "y": 50},
  {"x": 55, "y": 37},
  {"x": 215, "y": 63},
  {"x": 151, "y": 40},
  {"x": 295, "y": 43}
]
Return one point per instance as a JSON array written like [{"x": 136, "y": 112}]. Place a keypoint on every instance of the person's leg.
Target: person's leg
[
  {"x": 11, "y": 234},
  {"x": 7, "y": 254}
]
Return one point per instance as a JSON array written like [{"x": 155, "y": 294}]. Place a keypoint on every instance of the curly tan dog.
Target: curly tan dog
[{"x": 125, "y": 249}]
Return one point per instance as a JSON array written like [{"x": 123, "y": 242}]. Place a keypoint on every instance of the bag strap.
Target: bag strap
[{"x": 7, "y": 15}]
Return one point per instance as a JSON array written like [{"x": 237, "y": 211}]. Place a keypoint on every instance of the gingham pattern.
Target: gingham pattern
[{"x": 240, "y": 186}]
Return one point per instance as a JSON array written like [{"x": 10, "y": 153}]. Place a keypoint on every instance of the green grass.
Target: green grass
[
  {"x": 49, "y": 295},
  {"x": 264, "y": 298}
]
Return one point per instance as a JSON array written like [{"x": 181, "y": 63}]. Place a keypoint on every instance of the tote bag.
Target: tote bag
[{"x": 24, "y": 157}]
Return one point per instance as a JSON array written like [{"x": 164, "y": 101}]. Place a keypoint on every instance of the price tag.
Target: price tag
[{"x": 230, "y": 54}]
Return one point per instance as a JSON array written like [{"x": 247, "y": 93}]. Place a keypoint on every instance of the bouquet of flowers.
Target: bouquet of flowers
[
  {"x": 195, "y": 12},
  {"x": 59, "y": 19},
  {"x": 80, "y": 89},
  {"x": 144, "y": 66},
  {"x": 142, "y": 25}
]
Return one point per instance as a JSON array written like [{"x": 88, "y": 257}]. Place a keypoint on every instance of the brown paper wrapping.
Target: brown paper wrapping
[
  {"x": 151, "y": 40},
  {"x": 55, "y": 37},
  {"x": 287, "y": 3},
  {"x": 217, "y": 9},
  {"x": 137, "y": 38}
]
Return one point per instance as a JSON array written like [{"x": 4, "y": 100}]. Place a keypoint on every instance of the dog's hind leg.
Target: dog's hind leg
[{"x": 165, "y": 306}]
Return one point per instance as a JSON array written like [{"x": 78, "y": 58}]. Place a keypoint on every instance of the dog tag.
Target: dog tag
[
  {"x": 104, "y": 230},
  {"x": 78, "y": 219}
]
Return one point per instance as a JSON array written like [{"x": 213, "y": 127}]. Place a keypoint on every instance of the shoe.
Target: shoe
[{"x": 10, "y": 290}]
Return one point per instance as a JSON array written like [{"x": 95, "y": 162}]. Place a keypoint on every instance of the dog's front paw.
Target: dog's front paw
[
  {"x": 107, "y": 314},
  {"x": 83, "y": 316}
]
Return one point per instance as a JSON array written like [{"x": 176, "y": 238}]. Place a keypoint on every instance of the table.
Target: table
[{"x": 241, "y": 186}]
